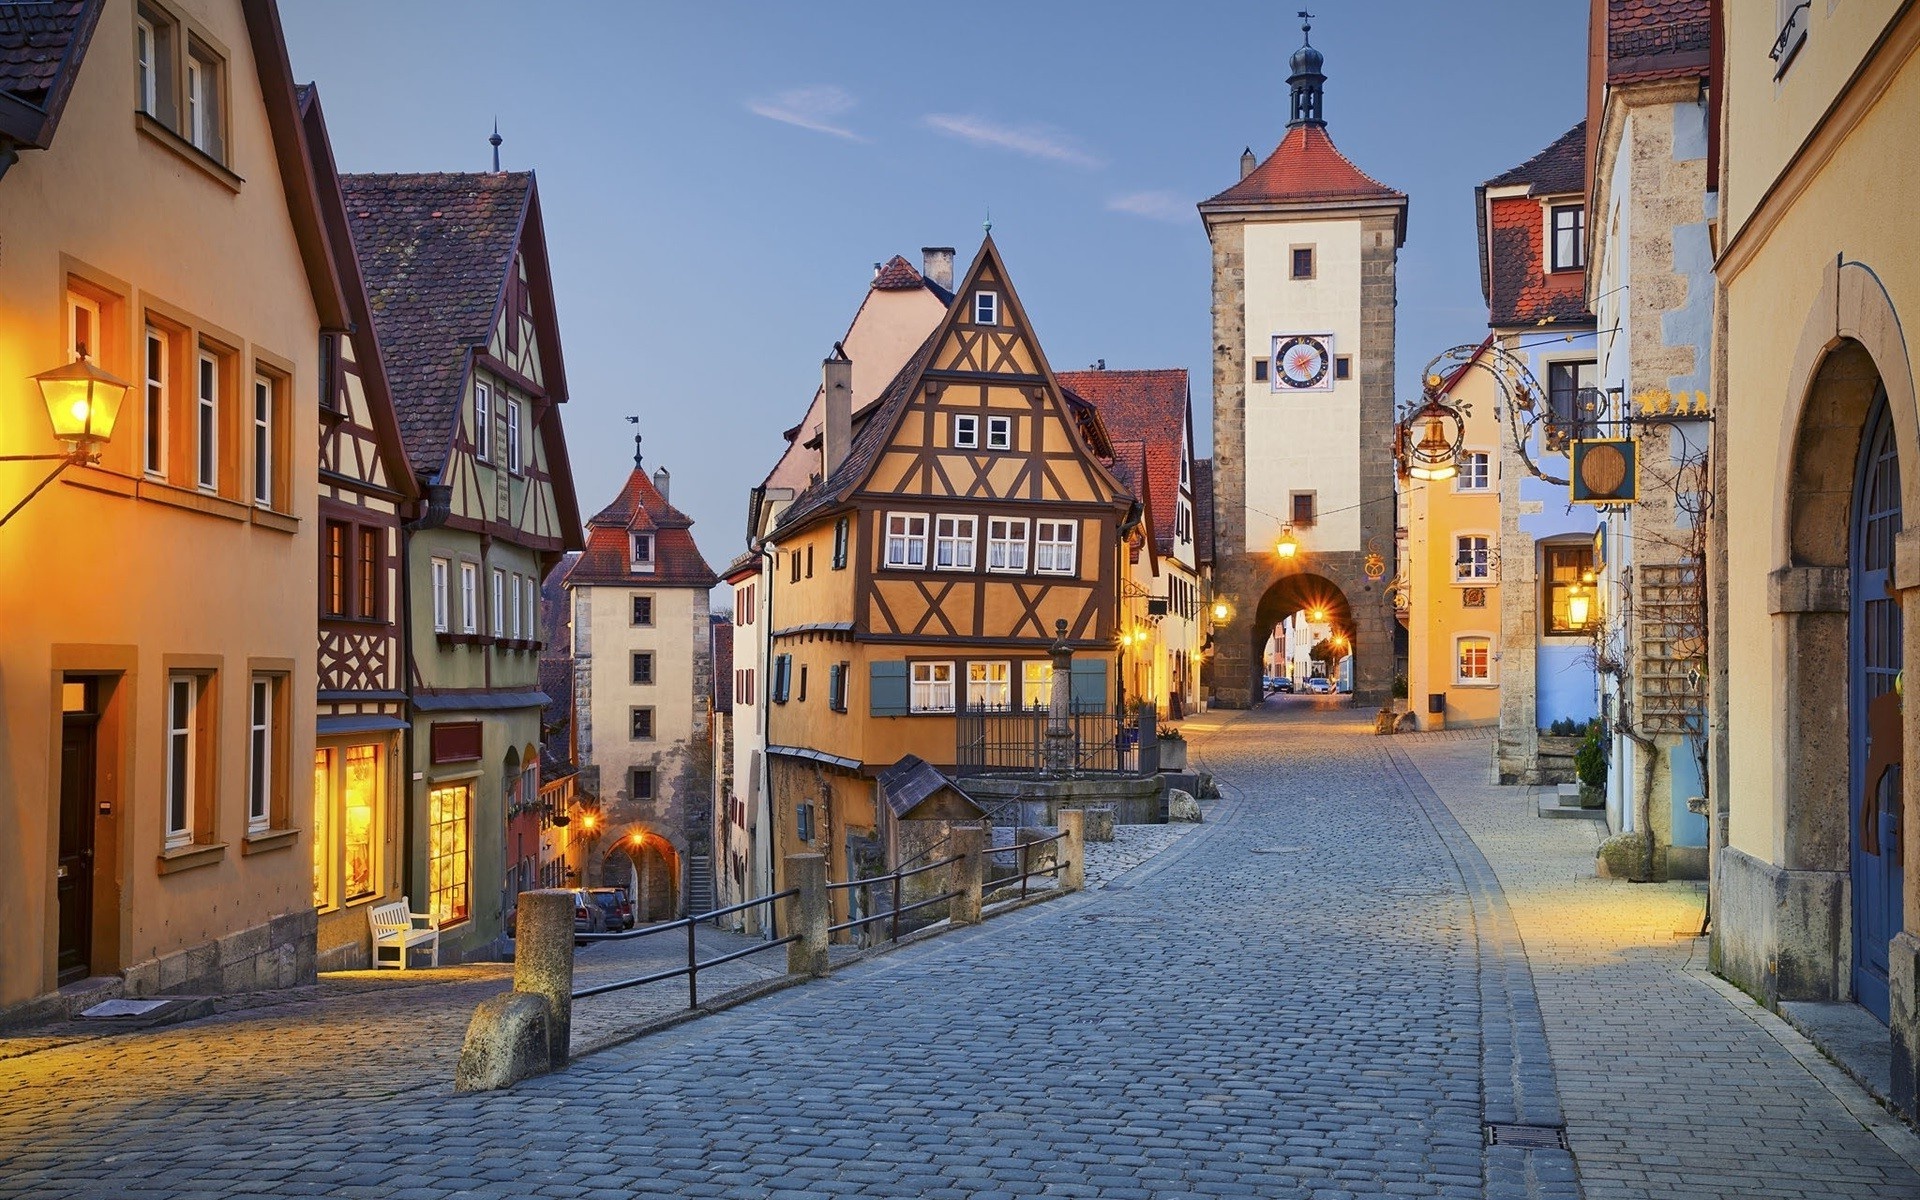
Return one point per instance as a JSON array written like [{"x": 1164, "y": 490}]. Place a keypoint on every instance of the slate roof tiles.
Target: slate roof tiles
[
  {"x": 435, "y": 249},
  {"x": 1657, "y": 39},
  {"x": 34, "y": 40}
]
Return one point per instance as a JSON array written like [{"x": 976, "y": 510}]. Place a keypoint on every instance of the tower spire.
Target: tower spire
[
  {"x": 1307, "y": 79},
  {"x": 495, "y": 141}
]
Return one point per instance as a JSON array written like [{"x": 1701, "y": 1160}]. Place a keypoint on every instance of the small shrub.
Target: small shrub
[
  {"x": 1591, "y": 759},
  {"x": 1399, "y": 687}
]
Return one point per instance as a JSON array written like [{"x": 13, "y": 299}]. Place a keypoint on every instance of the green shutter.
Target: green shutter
[
  {"x": 887, "y": 689},
  {"x": 1089, "y": 689}
]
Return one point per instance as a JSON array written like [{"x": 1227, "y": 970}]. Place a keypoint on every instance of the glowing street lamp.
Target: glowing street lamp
[
  {"x": 83, "y": 402},
  {"x": 1580, "y": 601},
  {"x": 1288, "y": 545},
  {"x": 1220, "y": 610},
  {"x": 1433, "y": 457},
  {"x": 1317, "y": 615}
]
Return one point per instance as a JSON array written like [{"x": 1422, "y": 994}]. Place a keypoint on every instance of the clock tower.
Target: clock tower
[{"x": 1304, "y": 253}]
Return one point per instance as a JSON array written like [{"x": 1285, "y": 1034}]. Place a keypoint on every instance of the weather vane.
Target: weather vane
[
  {"x": 1306, "y": 24},
  {"x": 495, "y": 141},
  {"x": 987, "y": 224},
  {"x": 636, "y": 440}
]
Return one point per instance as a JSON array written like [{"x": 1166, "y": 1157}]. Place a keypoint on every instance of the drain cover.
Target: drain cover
[
  {"x": 1278, "y": 849},
  {"x": 1528, "y": 1137}
]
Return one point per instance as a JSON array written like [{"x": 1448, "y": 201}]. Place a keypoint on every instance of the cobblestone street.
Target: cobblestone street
[{"x": 1324, "y": 991}]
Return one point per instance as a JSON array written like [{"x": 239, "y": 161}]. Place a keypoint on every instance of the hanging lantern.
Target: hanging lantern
[
  {"x": 1288, "y": 545},
  {"x": 1434, "y": 456},
  {"x": 82, "y": 402},
  {"x": 1579, "y": 606}
]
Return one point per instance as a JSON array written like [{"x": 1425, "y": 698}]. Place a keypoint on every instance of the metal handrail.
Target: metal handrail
[
  {"x": 893, "y": 912},
  {"x": 942, "y": 898},
  {"x": 694, "y": 963},
  {"x": 1025, "y": 851}
]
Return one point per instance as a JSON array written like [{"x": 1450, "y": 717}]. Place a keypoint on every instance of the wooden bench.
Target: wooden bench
[{"x": 397, "y": 928}]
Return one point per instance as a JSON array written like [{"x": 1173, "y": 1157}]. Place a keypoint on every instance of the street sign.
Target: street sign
[{"x": 1605, "y": 471}]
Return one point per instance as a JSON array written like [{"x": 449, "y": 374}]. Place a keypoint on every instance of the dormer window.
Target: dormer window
[
  {"x": 1567, "y": 237},
  {"x": 640, "y": 552},
  {"x": 986, "y": 308}
]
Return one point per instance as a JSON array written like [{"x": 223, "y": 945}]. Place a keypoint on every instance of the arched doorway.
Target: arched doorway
[
  {"x": 648, "y": 866},
  {"x": 1874, "y": 662},
  {"x": 1320, "y": 603}
]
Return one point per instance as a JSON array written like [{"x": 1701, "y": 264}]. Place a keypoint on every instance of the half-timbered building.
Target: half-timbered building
[
  {"x": 956, "y": 522},
  {"x": 462, "y": 303},
  {"x": 366, "y": 487}
]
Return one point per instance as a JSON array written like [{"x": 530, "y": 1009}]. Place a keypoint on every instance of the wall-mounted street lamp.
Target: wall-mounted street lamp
[
  {"x": 1220, "y": 610},
  {"x": 83, "y": 402},
  {"x": 1580, "y": 601},
  {"x": 1288, "y": 545}
]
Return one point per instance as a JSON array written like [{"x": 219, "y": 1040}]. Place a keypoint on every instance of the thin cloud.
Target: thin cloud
[
  {"x": 1034, "y": 141},
  {"x": 812, "y": 108},
  {"x": 1155, "y": 206}
]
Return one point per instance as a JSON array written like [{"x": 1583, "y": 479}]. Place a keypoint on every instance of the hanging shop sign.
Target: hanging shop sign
[{"x": 1605, "y": 471}]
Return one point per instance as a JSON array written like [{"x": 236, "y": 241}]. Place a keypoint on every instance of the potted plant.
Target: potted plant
[
  {"x": 1590, "y": 762},
  {"x": 1399, "y": 693},
  {"x": 1173, "y": 749}
]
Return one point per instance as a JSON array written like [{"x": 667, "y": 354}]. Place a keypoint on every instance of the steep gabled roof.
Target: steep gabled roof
[
  {"x": 1130, "y": 467},
  {"x": 1514, "y": 280},
  {"x": 1560, "y": 169},
  {"x": 1306, "y": 168},
  {"x": 1151, "y": 408},
  {"x": 41, "y": 46},
  {"x": 1203, "y": 511},
  {"x": 435, "y": 250},
  {"x": 722, "y": 664},
  {"x": 640, "y": 508}
]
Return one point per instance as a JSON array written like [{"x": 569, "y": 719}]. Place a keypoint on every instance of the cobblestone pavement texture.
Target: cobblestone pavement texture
[
  {"x": 1672, "y": 1086},
  {"x": 1319, "y": 993}
]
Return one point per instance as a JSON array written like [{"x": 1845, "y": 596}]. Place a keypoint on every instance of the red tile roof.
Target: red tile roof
[
  {"x": 1305, "y": 166},
  {"x": 640, "y": 508},
  {"x": 1203, "y": 511},
  {"x": 435, "y": 250},
  {"x": 1559, "y": 169},
  {"x": 1518, "y": 288},
  {"x": 1657, "y": 39},
  {"x": 1149, "y": 408},
  {"x": 897, "y": 275}
]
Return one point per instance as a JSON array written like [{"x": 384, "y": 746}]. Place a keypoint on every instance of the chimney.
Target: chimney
[
  {"x": 836, "y": 390},
  {"x": 1247, "y": 162},
  {"x": 661, "y": 480},
  {"x": 936, "y": 263}
]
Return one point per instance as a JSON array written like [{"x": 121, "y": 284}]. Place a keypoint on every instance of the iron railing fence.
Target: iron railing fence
[
  {"x": 695, "y": 964},
  {"x": 994, "y": 740}
]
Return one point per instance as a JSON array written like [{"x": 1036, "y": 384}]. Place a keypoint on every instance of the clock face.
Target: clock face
[{"x": 1302, "y": 362}]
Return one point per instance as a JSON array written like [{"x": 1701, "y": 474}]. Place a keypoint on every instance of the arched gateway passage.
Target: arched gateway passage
[
  {"x": 648, "y": 866},
  {"x": 1316, "y": 598}
]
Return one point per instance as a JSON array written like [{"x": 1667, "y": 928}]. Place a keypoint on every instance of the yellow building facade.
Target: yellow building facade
[
  {"x": 156, "y": 698},
  {"x": 1816, "y": 449},
  {"x": 1452, "y": 569}
]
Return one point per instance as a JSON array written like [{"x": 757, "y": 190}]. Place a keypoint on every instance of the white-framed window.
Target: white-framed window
[
  {"x": 999, "y": 433},
  {"x": 260, "y": 754},
  {"x": 986, "y": 308},
  {"x": 1053, "y": 547},
  {"x": 530, "y": 604},
  {"x": 906, "y": 539},
  {"x": 469, "y": 597},
  {"x": 989, "y": 685},
  {"x": 441, "y": 570},
  {"x": 966, "y": 431},
  {"x": 154, "y": 448},
  {"x": 513, "y": 436},
  {"x": 263, "y": 441},
  {"x": 183, "y": 745},
  {"x": 640, "y": 552},
  {"x": 1036, "y": 683},
  {"x": 482, "y": 422},
  {"x": 1472, "y": 558},
  {"x": 499, "y": 606},
  {"x": 1566, "y": 236},
  {"x": 206, "y": 435},
  {"x": 932, "y": 690},
  {"x": 83, "y": 327},
  {"x": 513, "y": 606},
  {"x": 146, "y": 66},
  {"x": 1007, "y": 544},
  {"x": 1473, "y": 658},
  {"x": 953, "y": 542},
  {"x": 206, "y": 120},
  {"x": 1475, "y": 473}
]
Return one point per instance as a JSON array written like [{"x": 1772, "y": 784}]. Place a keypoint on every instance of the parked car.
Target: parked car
[
  {"x": 1283, "y": 684},
  {"x": 588, "y": 916},
  {"x": 1319, "y": 685},
  {"x": 614, "y": 903}
]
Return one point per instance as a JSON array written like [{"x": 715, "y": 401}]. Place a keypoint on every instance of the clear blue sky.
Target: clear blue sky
[{"x": 718, "y": 178}]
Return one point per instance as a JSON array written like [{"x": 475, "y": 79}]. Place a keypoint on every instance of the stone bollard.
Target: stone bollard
[
  {"x": 970, "y": 843},
  {"x": 807, "y": 915},
  {"x": 543, "y": 962},
  {"x": 1099, "y": 823},
  {"x": 1073, "y": 849}
]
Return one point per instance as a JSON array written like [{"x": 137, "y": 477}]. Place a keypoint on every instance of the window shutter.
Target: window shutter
[
  {"x": 887, "y": 688},
  {"x": 1089, "y": 685}
]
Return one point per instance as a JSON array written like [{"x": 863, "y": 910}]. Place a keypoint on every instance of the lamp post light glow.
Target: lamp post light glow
[
  {"x": 83, "y": 402},
  {"x": 1288, "y": 545},
  {"x": 1220, "y": 610}
]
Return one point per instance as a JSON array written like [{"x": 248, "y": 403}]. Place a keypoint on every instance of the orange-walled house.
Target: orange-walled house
[{"x": 156, "y": 695}]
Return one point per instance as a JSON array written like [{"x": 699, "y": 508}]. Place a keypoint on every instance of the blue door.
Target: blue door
[{"x": 1874, "y": 643}]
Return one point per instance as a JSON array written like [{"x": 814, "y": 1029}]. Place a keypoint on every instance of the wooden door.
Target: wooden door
[
  {"x": 74, "y": 869},
  {"x": 1875, "y": 660}
]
